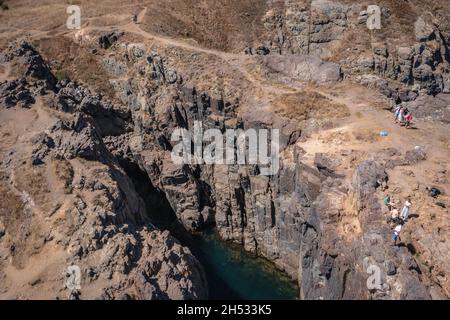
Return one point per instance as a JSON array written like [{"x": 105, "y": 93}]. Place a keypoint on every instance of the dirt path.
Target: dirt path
[
  {"x": 366, "y": 116},
  {"x": 363, "y": 115},
  {"x": 358, "y": 136}
]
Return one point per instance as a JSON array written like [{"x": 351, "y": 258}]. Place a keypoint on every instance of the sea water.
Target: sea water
[{"x": 235, "y": 274}]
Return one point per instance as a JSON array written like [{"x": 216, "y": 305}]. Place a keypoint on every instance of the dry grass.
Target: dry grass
[
  {"x": 33, "y": 181},
  {"x": 445, "y": 141},
  {"x": 70, "y": 60},
  {"x": 64, "y": 171},
  {"x": 367, "y": 135},
  {"x": 309, "y": 105},
  {"x": 227, "y": 25},
  {"x": 11, "y": 210},
  {"x": 335, "y": 137}
]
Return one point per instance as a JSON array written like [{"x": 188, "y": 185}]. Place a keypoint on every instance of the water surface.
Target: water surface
[{"x": 235, "y": 274}]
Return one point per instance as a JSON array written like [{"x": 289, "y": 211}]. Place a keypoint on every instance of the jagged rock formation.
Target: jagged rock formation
[
  {"x": 320, "y": 218},
  {"x": 306, "y": 27},
  {"x": 322, "y": 28},
  {"x": 99, "y": 219},
  {"x": 289, "y": 218}
]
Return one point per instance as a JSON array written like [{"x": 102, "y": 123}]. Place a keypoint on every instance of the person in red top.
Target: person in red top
[{"x": 408, "y": 120}]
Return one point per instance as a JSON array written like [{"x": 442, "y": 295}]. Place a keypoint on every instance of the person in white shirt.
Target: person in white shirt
[
  {"x": 396, "y": 234},
  {"x": 397, "y": 112}
]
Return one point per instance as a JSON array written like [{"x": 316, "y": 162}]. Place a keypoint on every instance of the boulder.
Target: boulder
[
  {"x": 303, "y": 68},
  {"x": 107, "y": 39},
  {"x": 435, "y": 108}
]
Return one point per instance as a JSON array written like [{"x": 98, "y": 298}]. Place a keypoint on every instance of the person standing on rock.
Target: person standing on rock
[
  {"x": 405, "y": 211},
  {"x": 396, "y": 234}
]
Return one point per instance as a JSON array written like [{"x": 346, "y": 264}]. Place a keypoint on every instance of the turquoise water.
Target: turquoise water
[{"x": 234, "y": 274}]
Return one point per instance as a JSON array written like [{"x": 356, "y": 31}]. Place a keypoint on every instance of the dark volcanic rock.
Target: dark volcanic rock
[
  {"x": 432, "y": 108},
  {"x": 16, "y": 92},
  {"x": 32, "y": 63},
  {"x": 107, "y": 39}
]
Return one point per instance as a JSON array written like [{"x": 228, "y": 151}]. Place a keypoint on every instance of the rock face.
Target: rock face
[
  {"x": 108, "y": 39},
  {"x": 31, "y": 62},
  {"x": 306, "y": 27},
  {"x": 432, "y": 108},
  {"x": 325, "y": 229},
  {"x": 418, "y": 66},
  {"x": 304, "y": 68},
  {"x": 291, "y": 218},
  {"x": 100, "y": 223},
  {"x": 343, "y": 275},
  {"x": 325, "y": 29}
]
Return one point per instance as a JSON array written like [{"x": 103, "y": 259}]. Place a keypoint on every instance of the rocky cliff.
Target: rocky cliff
[
  {"x": 311, "y": 69},
  {"x": 70, "y": 203}
]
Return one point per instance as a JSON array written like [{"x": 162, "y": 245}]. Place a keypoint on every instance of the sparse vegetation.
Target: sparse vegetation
[
  {"x": 61, "y": 74},
  {"x": 367, "y": 135},
  {"x": 72, "y": 61},
  {"x": 33, "y": 181},
  {"x": 64, "y": 171},
  {"x": 446, "y": 141},
  {"x": 12, "y": 206},
  {"x": 309, "y": 104},
  {"x": 106, "y": 219}
]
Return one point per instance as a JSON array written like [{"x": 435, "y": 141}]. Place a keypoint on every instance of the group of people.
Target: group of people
[
  {"x": 403, "y": 116},
  {"x": 396, "y": 217}
]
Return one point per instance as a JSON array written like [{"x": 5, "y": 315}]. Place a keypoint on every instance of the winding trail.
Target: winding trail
[
  {"x": 235, "y": 60},
  {"x": 358, "y": 102}
]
